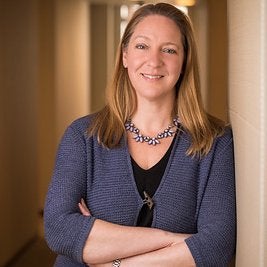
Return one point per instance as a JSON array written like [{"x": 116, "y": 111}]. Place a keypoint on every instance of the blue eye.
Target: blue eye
[{"x": 169, "y": 51}]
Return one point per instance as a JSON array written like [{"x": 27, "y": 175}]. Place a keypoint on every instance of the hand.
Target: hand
[{"x": 83, "y": 208}]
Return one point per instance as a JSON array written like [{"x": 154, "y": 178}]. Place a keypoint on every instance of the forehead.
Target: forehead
[{"x": 159, "y": 27}]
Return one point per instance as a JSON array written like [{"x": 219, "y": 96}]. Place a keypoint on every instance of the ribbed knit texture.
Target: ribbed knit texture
[{"x": 194, "y": 196}]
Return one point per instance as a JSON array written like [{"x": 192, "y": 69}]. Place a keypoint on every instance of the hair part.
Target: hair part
[{"x": 108, "y": 124}]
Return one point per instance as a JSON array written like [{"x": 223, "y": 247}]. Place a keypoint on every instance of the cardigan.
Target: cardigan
[{"x": 195, "y": 196}]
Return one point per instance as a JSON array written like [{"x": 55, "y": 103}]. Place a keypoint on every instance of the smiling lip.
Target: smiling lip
[{"x": 152, "y": 77}]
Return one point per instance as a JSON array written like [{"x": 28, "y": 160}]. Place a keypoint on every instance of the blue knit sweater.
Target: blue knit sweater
[{"x": 195, "y": 196}]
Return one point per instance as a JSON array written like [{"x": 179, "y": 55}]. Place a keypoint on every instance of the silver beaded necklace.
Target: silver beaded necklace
[{"x": 168, "y": 132}]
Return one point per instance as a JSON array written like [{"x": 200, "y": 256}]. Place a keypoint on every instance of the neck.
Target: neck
[{"x": 153, "y": 117}]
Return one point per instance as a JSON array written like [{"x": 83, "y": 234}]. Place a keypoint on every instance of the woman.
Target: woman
[{"x": 152, "y": 158}]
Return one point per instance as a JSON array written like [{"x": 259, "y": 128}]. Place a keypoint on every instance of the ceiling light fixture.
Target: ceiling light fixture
[{"x": 185, "y": 2}]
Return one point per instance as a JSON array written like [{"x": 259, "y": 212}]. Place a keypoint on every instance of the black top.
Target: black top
[{"x": 148, "y": 181}]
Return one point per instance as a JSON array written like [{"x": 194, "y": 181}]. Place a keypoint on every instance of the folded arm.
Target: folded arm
[
  {"x": 177, "y": 255},
  {"x": 136, "y": 245}
]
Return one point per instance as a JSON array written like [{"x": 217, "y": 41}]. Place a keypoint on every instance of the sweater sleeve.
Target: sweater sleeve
[
  {"x": 66, "y": 230},
  {"x": 214, "y": 242}
]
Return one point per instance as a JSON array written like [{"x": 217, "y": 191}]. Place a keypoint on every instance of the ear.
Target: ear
[{"x": 124, "y": 58}]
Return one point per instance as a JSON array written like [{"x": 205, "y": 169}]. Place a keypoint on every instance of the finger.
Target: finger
[
  {"x": 84, "y": 211},
  {"x": 83, "y": 208},
  {"x": 84, "y": 205}
]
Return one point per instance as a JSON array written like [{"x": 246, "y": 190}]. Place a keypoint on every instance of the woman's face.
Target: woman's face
[{"x": 154, "y": 57}]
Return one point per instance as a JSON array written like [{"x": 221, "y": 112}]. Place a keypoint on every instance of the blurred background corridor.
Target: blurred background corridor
[{"x": 56, "y": 57}]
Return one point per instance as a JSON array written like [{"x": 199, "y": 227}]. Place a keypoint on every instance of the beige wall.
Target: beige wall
[
  {"x": 99, "y": 55},
  {"x": 217, "y": 96},
  {"x": 210, "y": 23},
  {"x": 248, "y": 113},
  {"x": 71, "y": 61},
  {"x": 46, "y": 99},
  {"x": 105, "y": 37},
  {"x": 64, "y": 75},
  {"x": 199, "y": 16},
  {"x": 18, "y": 125},
  {"x": 44, "y": 85}
]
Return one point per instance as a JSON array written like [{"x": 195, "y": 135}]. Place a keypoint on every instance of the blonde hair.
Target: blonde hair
[{"x": 108, "y": 124}]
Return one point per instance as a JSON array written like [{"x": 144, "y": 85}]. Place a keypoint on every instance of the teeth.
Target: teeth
[{"x": 152, "y": 76}]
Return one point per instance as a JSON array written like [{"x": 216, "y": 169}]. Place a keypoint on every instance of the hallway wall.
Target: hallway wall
[
  {"x": 104, "y": 37},
  {"x": 209, "y": 19},
  {"x": 18, "y": 125},
  {"x": 217, "y": 49},
  {"x": 46, "y": 131},
  {"x": 248, "y": 113},
  {"x": 72, "y": 71},
  {"x": 44, "y": 85},
  {"x": 64, "y": 76}
]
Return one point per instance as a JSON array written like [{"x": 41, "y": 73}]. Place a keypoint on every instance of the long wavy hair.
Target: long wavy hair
[{"x": 108, "y": 124}]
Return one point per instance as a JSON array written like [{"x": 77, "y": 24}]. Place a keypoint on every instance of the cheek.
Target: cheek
[
  {"x": 134, "y": 63},
  {"x": 175, "y": 70},
  {"x": 177, "y": 67}
]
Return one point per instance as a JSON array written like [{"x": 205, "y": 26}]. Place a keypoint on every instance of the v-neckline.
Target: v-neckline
[
  {"x": 130, "y": 168},
  {"x": 167, "y": 154}
]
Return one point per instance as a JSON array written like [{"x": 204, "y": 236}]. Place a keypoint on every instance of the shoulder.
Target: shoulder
[
  {"x": 81, "y": 125},
  {"x": 226, "y": 138},
  {"x": 221, "y": 131},
  {"x": 222, "y": 139},
  {"x": 77, "y": 131},
  {"x": 223, "y": 146}
]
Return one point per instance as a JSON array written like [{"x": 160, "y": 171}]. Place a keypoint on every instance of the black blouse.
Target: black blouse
[{"x": 148, "y": 181}]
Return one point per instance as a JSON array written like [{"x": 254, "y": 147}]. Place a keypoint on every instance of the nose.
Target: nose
[{"x": 154, "y": 58}]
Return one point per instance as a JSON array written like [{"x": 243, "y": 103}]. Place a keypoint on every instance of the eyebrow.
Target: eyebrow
[{"x": 147, "y": 38}]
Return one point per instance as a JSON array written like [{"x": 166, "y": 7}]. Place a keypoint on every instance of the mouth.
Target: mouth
[{"x": 152, "y": 77}]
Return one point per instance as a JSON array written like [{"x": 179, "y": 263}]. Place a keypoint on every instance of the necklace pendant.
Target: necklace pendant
[{"x": 148, "y": 200}]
